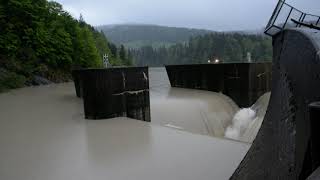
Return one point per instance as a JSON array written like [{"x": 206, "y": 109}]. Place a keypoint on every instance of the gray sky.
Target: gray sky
[{"x": 218, "y": 15}]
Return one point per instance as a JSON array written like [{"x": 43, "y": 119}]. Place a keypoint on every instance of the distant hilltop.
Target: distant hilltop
[{"x": 139, "y": 35}]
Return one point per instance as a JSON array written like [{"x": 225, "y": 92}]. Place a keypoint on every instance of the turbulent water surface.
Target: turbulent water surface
[{"x": 203, "y": 112}]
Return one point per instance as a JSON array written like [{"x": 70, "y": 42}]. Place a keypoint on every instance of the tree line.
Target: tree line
[
  {"x": 136, "y": 36},
  {"x": 37, "y": 37},
  {"x": 227, "y": 47}
]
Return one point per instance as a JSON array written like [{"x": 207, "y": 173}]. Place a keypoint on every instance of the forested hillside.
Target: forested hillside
[
  {"x": 39, "y": 39},
  {"x": 227, "y": 47},
  {"x": 136, "y": 36}
]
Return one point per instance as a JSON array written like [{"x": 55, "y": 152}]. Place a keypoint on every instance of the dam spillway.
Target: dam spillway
[
  {"x": 286, "y": 145},
  {"x": 200, "y": 111},
  {"x": 124, "y": 92},
  {"x": 242, "y": 82}
]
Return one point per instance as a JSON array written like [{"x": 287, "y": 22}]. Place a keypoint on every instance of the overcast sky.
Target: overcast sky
[{"x": 218, "y": 15}]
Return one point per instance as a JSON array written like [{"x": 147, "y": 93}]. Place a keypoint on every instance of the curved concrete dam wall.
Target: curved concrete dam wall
[
  {"x": 283, "y": 148},
  {"x": 243, "y": 82}
]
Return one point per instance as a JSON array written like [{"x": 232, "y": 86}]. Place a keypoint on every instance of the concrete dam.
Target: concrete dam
[
  {"x": 58, "y": 142},
  {"x": 285, "y": 146},
  {"x": 237, "y": 121},
  {"x": 283, "y": 141}
]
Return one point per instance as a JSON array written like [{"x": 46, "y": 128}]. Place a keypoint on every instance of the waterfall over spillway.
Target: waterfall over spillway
[
  {"x": 247, "y": 121},
  {"x": 202, "y": 112}
]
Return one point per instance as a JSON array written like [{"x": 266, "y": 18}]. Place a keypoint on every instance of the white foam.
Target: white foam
[
  {"x": 247, "y": 121},
  {"x": 240, "y": 123},
  {"x": 232, "y": 133}
]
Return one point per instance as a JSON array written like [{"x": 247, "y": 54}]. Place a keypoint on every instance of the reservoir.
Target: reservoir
[{"x": 43, "y": 135}]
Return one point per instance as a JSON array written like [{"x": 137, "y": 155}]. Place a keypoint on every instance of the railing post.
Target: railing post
[
  {"x": 318, "y": 21},
  {"x": 275, "y": 13},
  {"x": 284, "y": 25},
  {"x": 302, "y": 20}
]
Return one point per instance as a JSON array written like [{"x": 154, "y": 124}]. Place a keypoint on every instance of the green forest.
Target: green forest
[
  {"x": 227, "y": 47},
  {"x": 39, "y": 38}
]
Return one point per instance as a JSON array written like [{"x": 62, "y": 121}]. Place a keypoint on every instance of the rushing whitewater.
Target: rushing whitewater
[
  {"x": 203, "y": 112},
  {"x": 247, "y": 121},
  {"x": 240, "y": 123}
]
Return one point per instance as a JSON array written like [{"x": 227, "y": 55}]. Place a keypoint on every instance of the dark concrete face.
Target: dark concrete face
[
  {"x": 115, "y": 92},
  {"x": 282, "y": 148},
  {"x": 243, "y": 82},
  {"x": 77, "y": 82},
  {"x": 314, "y": 112},
  {"x": 315, "y": 175}
]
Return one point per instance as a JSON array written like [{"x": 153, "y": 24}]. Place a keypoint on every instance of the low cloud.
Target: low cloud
[{"x": 218, "y": 15}]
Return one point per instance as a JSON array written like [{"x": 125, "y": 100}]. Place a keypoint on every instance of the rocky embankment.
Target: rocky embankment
[{"x": 12, "y": 80}]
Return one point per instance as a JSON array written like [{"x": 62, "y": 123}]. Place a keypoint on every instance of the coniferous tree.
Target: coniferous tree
[
  {"x": 81, "y": 20},
  {"x": 122, "y": 52}
]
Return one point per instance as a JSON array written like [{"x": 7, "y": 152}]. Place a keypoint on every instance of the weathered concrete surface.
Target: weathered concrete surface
[
  {"x": 44, "y": 136},
  {"x": 314, "y": 143},
  {"x": 282, "y": 148},
  {"x": 114, "y": 92},
  {"x": 243, "y": 82},
  {"x": 315, "y": 175}
]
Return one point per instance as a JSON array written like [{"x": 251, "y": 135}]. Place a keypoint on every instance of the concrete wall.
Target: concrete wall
[
  {"x": 315, "y": 175},
  {"x": 243, "y": 82},
  {"x": 114, "y": 92},
  {"x": 283, "y": 148}
]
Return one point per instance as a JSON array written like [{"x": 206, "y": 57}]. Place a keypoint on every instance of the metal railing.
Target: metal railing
[{"x": 287, "y": 16}]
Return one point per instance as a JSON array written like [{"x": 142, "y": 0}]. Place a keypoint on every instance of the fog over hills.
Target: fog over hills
[{"x": 139, "y": 35}]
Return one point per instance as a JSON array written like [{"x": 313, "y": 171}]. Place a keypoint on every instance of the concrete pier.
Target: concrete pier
[
  {"x": 114, "y": 92},
  {"x": 282, "y": 148}
]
